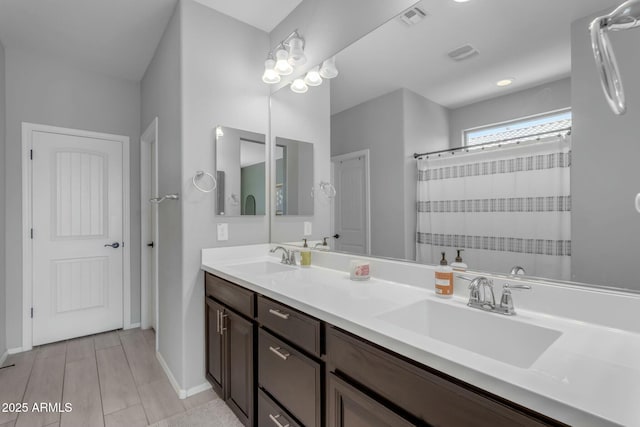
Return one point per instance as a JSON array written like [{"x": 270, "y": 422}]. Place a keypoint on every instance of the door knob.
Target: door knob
[
  {"x": 150, "y": 244},
  {"x": 114, "y": 245}
]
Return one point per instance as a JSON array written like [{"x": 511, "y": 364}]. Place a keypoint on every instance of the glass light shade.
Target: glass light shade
[
  {"x": 313, "y": 77},
  {"x": 282, "y": 65},
  {"x": 299, "y": 86},
  {"x": 328, "y": 69},
  {"x": 270, "y": 75},
  {"x": 296, "y": 52}
]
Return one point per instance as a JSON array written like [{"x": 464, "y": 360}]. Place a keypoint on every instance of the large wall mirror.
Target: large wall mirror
[
  {"x": 240, "y": 172},
  {"x": 521, "y": 162}
]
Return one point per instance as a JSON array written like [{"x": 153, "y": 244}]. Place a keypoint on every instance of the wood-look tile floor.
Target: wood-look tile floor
[{"x": 111, "y": 379}]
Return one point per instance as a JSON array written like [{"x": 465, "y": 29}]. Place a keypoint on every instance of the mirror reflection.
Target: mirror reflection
[
  {"x": 240, "y": 172},
  {"x": 507, "y": 123},
  {"x": 294, "y": 177}
]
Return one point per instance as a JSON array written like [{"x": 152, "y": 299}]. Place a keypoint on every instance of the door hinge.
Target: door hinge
[
  {"x": 31, "y": 154},
  {"x": 32, "y": 312},
  {"x": 32, "y": 233}
]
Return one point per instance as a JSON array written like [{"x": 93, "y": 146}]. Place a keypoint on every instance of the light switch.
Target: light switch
[
  {"x": 308, "y": 229},
  {"x": 223, "y": 232}
]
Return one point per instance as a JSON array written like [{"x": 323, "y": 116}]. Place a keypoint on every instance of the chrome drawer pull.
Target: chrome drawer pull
[
  {"x": 278, "y": 313},
  {"x": 274, "y": 418},
  {"x": 222, "y": 327},
  {"x": 280, "y": 354}
]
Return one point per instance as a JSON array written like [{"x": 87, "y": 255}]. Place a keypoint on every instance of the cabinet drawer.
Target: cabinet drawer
[
  {"x": 271, "y": 414},
  {"x": 299, "y": 328},
  {"x": 292, "y": 378},
  {"x": 235, "y": 297},
  {"x": 349, "y": 407},
  {"x": 421, "y": 392}
]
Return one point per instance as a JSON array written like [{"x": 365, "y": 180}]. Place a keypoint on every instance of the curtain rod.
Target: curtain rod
[{"x": 493, "y": 143}]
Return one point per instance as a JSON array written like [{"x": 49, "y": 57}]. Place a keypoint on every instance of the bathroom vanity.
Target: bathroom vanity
[{"x": 309, "y": 347}]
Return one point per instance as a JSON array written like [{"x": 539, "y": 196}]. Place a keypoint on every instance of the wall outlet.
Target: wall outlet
[
  {"x": 223, "y": 232},
  {"x": 308, "y": 228}
]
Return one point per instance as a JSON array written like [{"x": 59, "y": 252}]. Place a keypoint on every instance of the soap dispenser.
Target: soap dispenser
[
  {"x": 305, "y": 255},
  {"x": 444, "y": 279},
  {"x": 458, "y": 267}
]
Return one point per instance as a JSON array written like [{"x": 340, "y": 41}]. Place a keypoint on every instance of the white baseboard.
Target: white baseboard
[
  {"x": 199, "y": 389},
  {"x": 182, "y": 393},
  {"x": 132, "y": 326},
  {"x": 16, "y": 350},
  {"x": 4, "y": 357}
]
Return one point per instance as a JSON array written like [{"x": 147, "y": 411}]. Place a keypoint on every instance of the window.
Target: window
[{"x": 556, "y": 123}]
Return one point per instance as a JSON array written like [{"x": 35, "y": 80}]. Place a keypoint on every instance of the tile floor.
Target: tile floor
[{"x": 111, "y": 379}]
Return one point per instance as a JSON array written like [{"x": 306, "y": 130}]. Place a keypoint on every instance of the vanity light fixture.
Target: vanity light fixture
[
  {"x": 296, "y": 51},
  {"x": 270, "y": 75},
  {"x": 313, "y": 77},
  {"x": 504, "y": 82},
  {"x": 299, "y": 86},
  {"x": 282, "y": 66},
  {"x": 328, "y": 69}
]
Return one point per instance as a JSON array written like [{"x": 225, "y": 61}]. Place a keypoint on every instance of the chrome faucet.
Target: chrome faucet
[
  {"x": 517, "y": 270},
  {"x": 288, "y": 256},
  {"x": 481, "y": 296}
]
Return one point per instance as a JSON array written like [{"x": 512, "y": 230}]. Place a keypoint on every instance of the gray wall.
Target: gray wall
[
  {"x": 3, "y": 301},
  {"x": 392, "y": 127},
  {"x": 539, "y": 99},
  {"x": 161, "y": 98},
  {"x": 426, "y": 128},
  {"x": 329, "y": 26},
  {"x": 378, "y": 125},
  {"x": 222, "y": 62},
  {"x": 305, "y": 118},
  {"x": 47, "y": 91},
  {"x": 604, "y": 175}
]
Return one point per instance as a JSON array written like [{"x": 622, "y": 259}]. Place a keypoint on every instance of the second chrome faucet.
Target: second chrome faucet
[{"x": 481, "y": 296}]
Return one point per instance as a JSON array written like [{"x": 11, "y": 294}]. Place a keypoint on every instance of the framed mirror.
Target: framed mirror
[
  {"x": 493, "y": 139},
  {"x": 240, "y": 172},
  {"x": 294, "y": 177}
]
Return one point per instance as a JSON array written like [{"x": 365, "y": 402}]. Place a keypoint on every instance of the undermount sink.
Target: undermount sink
[
  {"x": 489, "y": 334},
  {"x": 262, "y": 267}
]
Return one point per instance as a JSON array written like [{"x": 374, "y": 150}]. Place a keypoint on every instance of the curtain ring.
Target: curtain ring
[{"x": 199, "y": 175}]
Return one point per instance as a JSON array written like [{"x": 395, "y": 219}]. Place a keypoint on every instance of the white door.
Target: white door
[
  {"x": 351, "y": 202},
  {"x": 77, "y": 236}
]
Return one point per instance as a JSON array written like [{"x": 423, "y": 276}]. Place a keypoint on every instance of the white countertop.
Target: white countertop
[{"x": 590, "y": 376}]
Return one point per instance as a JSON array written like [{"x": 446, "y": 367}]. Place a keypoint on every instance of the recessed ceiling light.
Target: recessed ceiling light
[
  {"x": 460, "y": 1},
  {"x": 504, "y": 82}
]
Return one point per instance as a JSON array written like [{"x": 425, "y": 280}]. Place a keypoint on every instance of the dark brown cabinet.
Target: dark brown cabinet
[
  {"x": 349, "y": 407},
  {"x": 215, "y": 346},
  {"x": 230, "y": 348}
]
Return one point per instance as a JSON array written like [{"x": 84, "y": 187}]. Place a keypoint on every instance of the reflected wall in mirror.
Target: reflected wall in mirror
[
  {"x": 240, "y": 172},
  {"x": 522, "y": 162},
  {"x": 294, "y": 177}
]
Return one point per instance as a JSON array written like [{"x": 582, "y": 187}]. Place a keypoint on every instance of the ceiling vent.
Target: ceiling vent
[
  {"x": 463, "y": 52},
  {"x": 412, "y": 16}
]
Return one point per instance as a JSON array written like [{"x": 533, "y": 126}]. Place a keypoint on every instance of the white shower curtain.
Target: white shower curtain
[{"x": 504, "y": 206}]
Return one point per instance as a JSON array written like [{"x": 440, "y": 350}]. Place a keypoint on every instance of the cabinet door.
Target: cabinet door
[
  {"x": 349, "y": 407},
  {"x": 239, "y": 384},
  {"x": 215, "y": 346}
]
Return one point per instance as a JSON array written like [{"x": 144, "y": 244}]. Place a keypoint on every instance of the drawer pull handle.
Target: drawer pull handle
[
  {"x": 218, "y": 321},
  {"x": 222, "y": 327},
  {"x": 278, "y": 313},
  {"x": 275, "y": 420},
  {"x": 277, "y": 351}
]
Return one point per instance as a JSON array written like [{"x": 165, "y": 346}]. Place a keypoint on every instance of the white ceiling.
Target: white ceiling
[
  {"x": 522, "y": 39},
  {"x": 262, "y": 14},
  {"x": 116, "y": 37}
]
